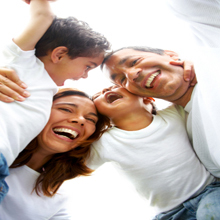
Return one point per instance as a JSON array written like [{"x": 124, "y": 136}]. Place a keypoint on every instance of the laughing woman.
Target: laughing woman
[{"x": 57, "y": 154}]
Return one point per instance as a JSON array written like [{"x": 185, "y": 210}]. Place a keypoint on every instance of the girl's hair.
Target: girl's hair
[{"x": 67, "y": 165}]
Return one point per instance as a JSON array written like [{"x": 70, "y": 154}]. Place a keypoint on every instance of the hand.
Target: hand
[
  {"x": 11, "y": 87},
  {"x": 189, "y": 74}
]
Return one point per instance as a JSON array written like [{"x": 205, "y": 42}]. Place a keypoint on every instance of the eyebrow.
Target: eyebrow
[
  {"x": 76, "y": 106},
  {"x": 67, "y": 103},
  {"x": 95, "y": 64},
  {"x": 122, "y": 61}
]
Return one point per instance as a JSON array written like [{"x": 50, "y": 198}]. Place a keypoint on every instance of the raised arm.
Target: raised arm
[{"x": 41, "y": 18}]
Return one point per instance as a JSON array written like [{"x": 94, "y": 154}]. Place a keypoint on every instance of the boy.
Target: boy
[
  {"x": 154, "y": 153},
  {"x": 68, "y": 50}
]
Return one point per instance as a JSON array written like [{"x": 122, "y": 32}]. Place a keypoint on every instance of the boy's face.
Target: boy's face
[
  {"x": 146, "y": 74},
  {"x": 75, "y": 68},
  {"x": 116, "y": 101}
]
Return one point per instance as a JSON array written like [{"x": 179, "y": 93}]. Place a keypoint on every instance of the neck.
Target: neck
[
  {"x": 183, "y": 100},
  {"x": 37, "y": 161},
  {"x": 133, "y": 121}
]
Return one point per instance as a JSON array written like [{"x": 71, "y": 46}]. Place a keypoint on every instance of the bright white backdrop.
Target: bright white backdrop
[{"x": 106, "y": 195}]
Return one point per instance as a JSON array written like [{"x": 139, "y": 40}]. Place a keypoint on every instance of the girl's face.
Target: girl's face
[{"x": 73, "y": 119}]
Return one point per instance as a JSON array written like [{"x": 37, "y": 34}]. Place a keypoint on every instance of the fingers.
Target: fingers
[
  {"x": 27, "y": 1},
  {"x": 189, "y": 71},
  {"x": 11, "y": 87}
]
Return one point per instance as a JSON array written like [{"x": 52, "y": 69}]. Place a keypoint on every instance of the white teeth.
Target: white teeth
[
  {"x": 66, "y": 130},
  {"x": 151, "y": 78}
]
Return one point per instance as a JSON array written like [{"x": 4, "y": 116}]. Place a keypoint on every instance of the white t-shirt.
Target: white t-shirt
[
  {"x": 22, "y": 203},
  {"x": 203, "y": 121},
  {"x": 158, "y": 160},
  {"x": 20, "y": 122}
]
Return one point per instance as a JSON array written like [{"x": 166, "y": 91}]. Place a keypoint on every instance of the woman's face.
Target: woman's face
[{"x": 73, "y": 119}]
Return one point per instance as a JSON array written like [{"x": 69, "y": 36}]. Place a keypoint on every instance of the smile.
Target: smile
[
  {"x": 151, "y": 79},
  {"x": 65, "y": 132},
  {"x": 111, "y": 97}
]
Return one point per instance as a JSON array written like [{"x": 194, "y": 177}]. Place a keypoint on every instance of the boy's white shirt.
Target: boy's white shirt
[
  {"x": 21, "y": 122},
  {"x": 158, "y": 160}
]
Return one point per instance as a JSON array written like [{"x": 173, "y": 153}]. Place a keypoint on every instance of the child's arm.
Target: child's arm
[
  {"x": 189, "y": 72},
  {"x": 40, "y": 20}
]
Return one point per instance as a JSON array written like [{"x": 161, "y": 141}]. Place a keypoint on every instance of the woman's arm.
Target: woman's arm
[{"x": 11, "y": 87}]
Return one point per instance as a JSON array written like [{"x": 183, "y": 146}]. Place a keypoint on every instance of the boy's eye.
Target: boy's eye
[{"x": 88, "y": 67}]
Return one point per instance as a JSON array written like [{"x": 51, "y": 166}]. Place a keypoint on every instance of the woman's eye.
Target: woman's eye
[
  {"x": 92, "y": 120},
  {"x": 65, "y": 109}
]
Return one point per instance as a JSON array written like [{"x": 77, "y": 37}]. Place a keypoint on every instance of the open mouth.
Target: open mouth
[
  {"x": 111, "y": 97},
  {"x": 150, "y": 80},
  {"x": 65, "y": 132}
]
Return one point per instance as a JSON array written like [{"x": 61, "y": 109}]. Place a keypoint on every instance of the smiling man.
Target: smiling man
[{"x": 151, "y": 73}]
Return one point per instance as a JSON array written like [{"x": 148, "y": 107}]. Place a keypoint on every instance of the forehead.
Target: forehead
[
  {"x": 82, "y": 103},
  {"x": 96, "y": 60},
  {"x": 119, "y": 59}
]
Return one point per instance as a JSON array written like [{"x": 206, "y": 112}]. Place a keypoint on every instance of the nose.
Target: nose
[
  {"x": 77, "y": 120},
  {"x": 106, "y": 90},
  {"x": 132, "y": 74},
  {"x": 85, "y": 75}
]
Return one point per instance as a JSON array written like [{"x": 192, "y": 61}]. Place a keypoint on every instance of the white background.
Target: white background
[{"x": 106, "y": 195}]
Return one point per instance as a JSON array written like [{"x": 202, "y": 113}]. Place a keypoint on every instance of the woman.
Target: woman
[{"x": 57, "y": 154}]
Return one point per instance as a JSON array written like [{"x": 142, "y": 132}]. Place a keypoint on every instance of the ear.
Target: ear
[
  {"x": 147, "y": 100},
  {"x": 58, "y": 53},
  {"x": 171, "y": 54},
  {"x": 148, "y": 104}
]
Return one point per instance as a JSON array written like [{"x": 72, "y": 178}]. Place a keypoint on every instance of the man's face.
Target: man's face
[{"x": 146, "y": 74}]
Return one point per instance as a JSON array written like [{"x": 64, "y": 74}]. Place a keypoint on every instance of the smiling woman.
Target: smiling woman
[{"x": 57, "y": 154}]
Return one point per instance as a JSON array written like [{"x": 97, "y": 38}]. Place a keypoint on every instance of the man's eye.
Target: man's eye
[{"x": 134, "y": 62}]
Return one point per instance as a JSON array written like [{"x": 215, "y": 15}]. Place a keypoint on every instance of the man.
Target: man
[{"x": 151, "y": 73}]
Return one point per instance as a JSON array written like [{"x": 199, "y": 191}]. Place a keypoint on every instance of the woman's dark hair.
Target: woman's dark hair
[
  {"x": 67, "y": 165},
  {"x": 77, "y": 36}
]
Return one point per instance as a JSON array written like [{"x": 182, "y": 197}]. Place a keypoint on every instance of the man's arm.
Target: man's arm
[{"x": 41, "y": 18}]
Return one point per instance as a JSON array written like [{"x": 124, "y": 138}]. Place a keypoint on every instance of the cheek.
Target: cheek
[
  {"x": 90, "y": 130},
  {"x": 98, "y": 104}
]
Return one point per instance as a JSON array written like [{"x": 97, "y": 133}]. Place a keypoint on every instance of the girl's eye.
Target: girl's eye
[
  {"x": 122, "y": 80},
  {"x": 96, "y": 96},
  {"x": 65, "y": 109}
]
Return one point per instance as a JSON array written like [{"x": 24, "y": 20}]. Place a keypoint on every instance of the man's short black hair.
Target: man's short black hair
[{"x": 138, "y": 48}]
